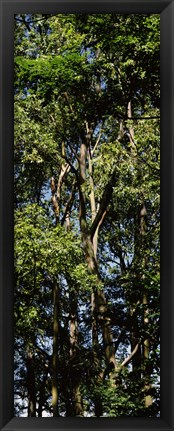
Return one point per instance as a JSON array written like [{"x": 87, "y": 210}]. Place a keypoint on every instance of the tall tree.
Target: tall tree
[{"x": 87, "y": 212}]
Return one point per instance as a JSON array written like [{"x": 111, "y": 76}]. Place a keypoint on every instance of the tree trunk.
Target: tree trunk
[
  {"x": 77, "y": 408},
  {"x": 135, "y": 336},
  {"x": 146, "y": 344},
  {"x": 89, "y": 241},
  {"x": 146, "y": 348},
  {"x": 42, "y": 393},
  {"x": 55, "y": 349},
  {"x": 131, "y": 130},
  {"x": 95, "y": 242},
  {"x": 56, "y": 192},
  {"x": 31, "y": 385}
]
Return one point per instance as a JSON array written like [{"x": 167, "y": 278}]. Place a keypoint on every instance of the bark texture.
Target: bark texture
[
  {"x": 55, "y": 349},
  {"x": 31, "y": 385}
]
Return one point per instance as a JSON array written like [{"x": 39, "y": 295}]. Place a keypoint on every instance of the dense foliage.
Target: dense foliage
[{"x": 86, "y": 213}]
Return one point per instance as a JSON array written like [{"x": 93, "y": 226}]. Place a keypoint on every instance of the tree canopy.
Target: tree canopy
[{"x": 87, "y": 215}]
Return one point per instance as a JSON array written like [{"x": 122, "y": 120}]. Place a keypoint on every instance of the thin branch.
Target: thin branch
[
  {"x": 69, "y": 162},
  {"x": 68, "y": 101},
  {"x": 128, "y": 359},
  {"x": 96, "y": 144},
  {"x": 103, "y": 205},
  {"x": 109, "y": 368},
  {"x": 64, "y": 170},
  {"x": 119, "y": 339},
  {"x": 74, "y": 152},
  {"x": 53, "y": 120},
  {"x": 45, "y": 17},
  {"x": 54, "y": 199},
  {"x": 142, "y": 118},
  {"x": 69, "y": 203},
  {"x": 102, "y": 218}
]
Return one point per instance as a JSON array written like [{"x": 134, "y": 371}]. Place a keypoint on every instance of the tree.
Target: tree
[{"x": 87, "y": 213}]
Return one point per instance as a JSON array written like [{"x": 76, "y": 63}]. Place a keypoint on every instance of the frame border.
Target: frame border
[{"x": 166, "y": 10}]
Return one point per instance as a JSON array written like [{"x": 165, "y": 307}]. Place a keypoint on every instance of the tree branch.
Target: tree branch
[
  {"x": 69, "y": 203},
  {"x": 68, "y": 101},
  {"x": 64, "y": 170},
  {"x": 128, "y": 359},
  {"x": 96, "y": 144},
  {"x": 74, "y": 152},
  {"x": 72, "y": 166},
  {"x": 103, "y": 204},
  {"x": 143, "y": 118}
]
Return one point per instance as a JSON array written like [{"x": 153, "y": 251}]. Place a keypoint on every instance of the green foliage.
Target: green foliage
[{"x": 75, "y": 76}]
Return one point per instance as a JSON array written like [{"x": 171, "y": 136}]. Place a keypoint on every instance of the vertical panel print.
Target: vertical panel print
[{"x": 87, "y": 215}]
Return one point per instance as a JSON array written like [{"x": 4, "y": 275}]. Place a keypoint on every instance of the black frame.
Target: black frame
[{"x": 166, "y": 10}]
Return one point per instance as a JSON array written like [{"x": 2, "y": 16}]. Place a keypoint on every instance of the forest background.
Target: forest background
[{"x": 87, "y": 215}]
